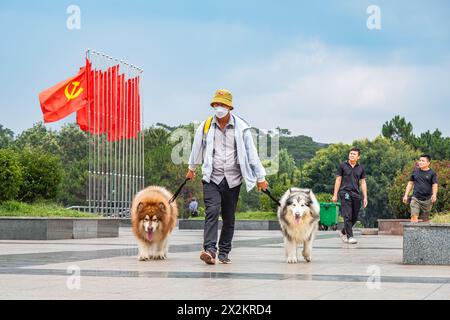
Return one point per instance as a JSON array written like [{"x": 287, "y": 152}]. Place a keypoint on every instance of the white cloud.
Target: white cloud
[{"x": 331, "y": 94}]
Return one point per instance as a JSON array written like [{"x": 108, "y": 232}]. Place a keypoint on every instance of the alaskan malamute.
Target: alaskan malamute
[
  {"x": 153, "y": 218},
  {"x": 299, "y": 216}
]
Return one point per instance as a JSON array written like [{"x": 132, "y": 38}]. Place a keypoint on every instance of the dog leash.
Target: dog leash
[
  {"x": 175, "y": 195},
  {"x": 267, "y": 191}
]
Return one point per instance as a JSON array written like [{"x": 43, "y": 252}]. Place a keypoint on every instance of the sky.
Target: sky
[{"x": 313, "y": 67}]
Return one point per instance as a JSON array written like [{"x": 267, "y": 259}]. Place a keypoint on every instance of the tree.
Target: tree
[
  {"x": 302, "y": 148},
  {"x": 284, "y": 132},
  {"x": 72, "y": 143},
  {"x": 398, "y": 129},
  {"x": 382, "y": 159},
  {"x": 10, "y": 175},
  {"x": 6, "y": 137},
  {"x": 433, "y": 144},
  {"x": 73, "y": 150},
  {"x": 398, "y": 187},
  {"x": 42, "y": 174},
  {"x": 287, "y": 176},
  {"x": 38, "y": 137}
]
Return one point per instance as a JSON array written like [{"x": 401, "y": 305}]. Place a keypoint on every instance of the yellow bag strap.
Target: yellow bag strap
[{"x": 207, "y": 125}]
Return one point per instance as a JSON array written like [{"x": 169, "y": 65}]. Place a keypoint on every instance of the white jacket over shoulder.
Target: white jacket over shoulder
[{"x": 252, "y": 169}]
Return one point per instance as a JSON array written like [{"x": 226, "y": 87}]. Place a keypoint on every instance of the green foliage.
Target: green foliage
[
  {"x": 382, "y": 159},
  {"x": 441, "y": 217},
  {"x": 398, "y": 187},
  {"x": 324, "y": 197},
  {"x": 74, "y": 182},
  {"x": 10, "y": 175},
  {"x": 301, "y": 148},
  {"x": 433, "y": 144},
  {"x": 72, "y": 143},
  {"x": 38, "y": 137},
  {"x": 73, "y": 151},
  {"x": 248, "y": 201},
  {"x": 6, "y": 137},
  {"x": 398, "y": 129},
  {"x": 288, "y": 176},
  {"x": 320, "y": 172},
  {"x": 39, "y": 209},
  {"x": 42, "y": 174}
]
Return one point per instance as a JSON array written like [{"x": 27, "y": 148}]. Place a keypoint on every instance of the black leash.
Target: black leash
[
  {"x": 175, "y": 195},
  {"x": 271, "y": 197}
]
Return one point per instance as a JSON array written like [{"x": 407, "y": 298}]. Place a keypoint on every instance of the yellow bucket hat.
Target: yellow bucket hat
[{"x": 223, "y": 96}]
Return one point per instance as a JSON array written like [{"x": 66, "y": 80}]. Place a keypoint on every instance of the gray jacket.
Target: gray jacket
[{"x": 252, "y": 169}]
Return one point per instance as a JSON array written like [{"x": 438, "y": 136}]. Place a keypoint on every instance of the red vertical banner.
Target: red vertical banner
[
  {"x": 117, "y": 130},
  {"x": 112, "y": 113},
  {"x": 133, "y": 101},
  {"x": 114, "y": 104},
  {"x": 138, "y": 111}
]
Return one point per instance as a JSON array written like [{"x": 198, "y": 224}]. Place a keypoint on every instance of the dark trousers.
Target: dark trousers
[
  {"x": 219, "y": 199},
  {"x": 349, "y": 210}
]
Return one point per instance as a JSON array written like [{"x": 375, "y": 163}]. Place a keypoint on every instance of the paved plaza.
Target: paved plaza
[{"x": 108, "y": 269}]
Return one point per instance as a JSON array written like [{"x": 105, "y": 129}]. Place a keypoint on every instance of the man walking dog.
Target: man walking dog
[
  {"x": 224, "y": 145},
  {"x": 348, "y": 179}
]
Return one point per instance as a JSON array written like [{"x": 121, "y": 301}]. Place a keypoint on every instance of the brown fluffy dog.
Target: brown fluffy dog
[{"x": 152, "y": 219}]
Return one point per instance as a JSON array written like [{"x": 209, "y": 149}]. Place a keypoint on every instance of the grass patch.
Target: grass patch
[
  {"x": 250, "y": 215},
  {"x": 441, "y": 217},
  {"x": 39, "y": 209}
]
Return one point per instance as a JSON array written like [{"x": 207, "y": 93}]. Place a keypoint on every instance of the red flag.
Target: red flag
[
  {"x": 133, "y": 108},
  {"x": 120, "y": 124},
  {"x": 64, "y": 98},
  {"x": 99, "y": 116},
  {"x": 112, "y": 114}
]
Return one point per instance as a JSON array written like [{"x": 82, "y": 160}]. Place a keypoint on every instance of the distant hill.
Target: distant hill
[{"x": 302, "y": 148}]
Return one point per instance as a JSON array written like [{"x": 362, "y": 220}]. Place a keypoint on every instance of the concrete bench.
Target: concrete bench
[
  {"x": 24, "y": 228},
  {"x": 391, "y": 227},
  {"x": 426, "y": 243}
]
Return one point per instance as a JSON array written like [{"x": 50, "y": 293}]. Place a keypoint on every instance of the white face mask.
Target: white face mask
[{"x": 220, "y": 112}]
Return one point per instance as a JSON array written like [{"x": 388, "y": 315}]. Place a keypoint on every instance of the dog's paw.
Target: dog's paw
[
  {"x": 160, "y": 256},
  {"x": 143, "y": 258},
  {"x": 292, "y": 260},
  {"x": 307, "y": 258}
]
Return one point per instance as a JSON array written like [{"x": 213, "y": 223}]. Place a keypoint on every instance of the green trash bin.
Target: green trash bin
[{"x": 329, "y": 212}]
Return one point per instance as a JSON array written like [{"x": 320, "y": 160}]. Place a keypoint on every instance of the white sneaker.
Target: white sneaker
[
  {"x": 343, "y": 237},
  {"x": 352, "y": 240}
]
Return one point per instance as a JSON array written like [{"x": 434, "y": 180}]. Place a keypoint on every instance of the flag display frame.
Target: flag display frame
[{"x": 115, "y": 134}]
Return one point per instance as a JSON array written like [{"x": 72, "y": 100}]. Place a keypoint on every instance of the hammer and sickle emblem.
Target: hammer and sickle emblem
[{"x": 75, "y": 93}]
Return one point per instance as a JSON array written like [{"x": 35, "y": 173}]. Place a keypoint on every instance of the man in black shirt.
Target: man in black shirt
[
  {"x": 425, "y": 185},
  {"x": 348, "y": 179}
]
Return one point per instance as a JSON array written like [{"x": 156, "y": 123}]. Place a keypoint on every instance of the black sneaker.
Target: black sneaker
[
  {"x": 208, "y": 257},
  {"x": 224, "y": 259}
]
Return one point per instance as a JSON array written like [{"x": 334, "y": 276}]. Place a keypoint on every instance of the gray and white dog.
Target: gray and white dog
[{"x": 299, "y": 216}]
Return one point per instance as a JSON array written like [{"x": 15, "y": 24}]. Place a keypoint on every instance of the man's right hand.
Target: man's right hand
[
  {"x": 190, "y": 175},
  {"x": 335, "y": 198},
  {"x": 405, "y": 199}
]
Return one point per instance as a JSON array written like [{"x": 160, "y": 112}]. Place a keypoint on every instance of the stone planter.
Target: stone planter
[
  {"x": 391, "y": 227},
  {"x": 24, "y": 228},
  {"x": 426, "y": 243}
]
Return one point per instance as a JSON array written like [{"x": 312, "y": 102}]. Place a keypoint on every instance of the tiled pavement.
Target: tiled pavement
[{"x": 109, "y": 269}]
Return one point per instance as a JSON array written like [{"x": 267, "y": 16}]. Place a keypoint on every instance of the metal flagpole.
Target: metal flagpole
[
  {"x": 115, "y": 134},
  {"x": 90, "y": 100},
  {"x": 142, "y": 139}
]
